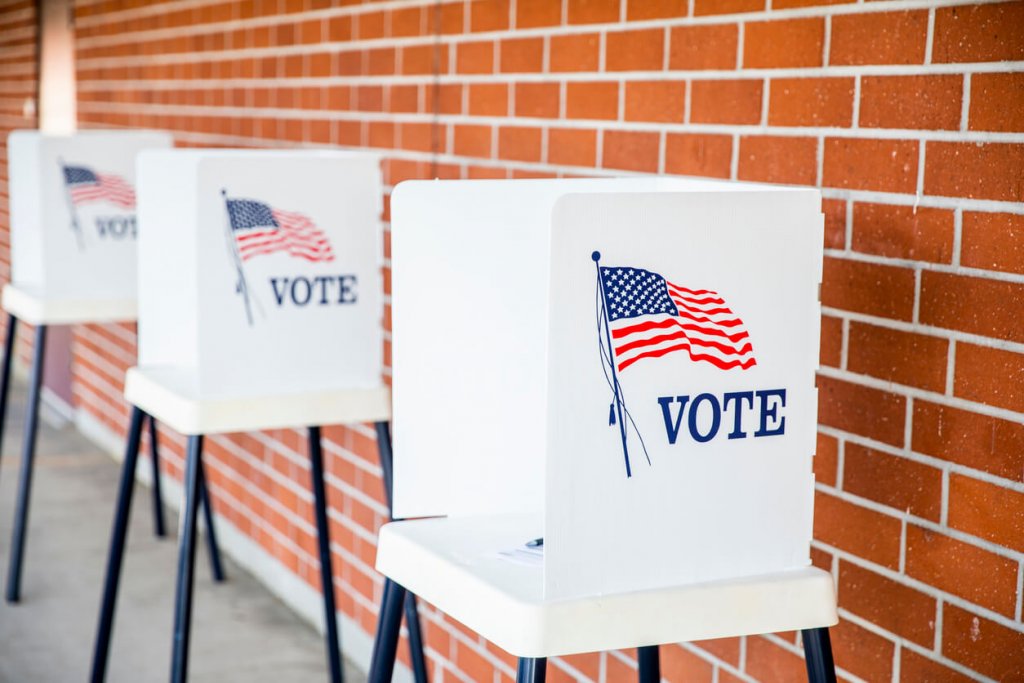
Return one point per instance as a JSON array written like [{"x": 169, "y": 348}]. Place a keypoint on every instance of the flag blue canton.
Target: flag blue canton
[
  {"x": 632, "y": 292},
  {"x": 74, "y": 175},
  {"x": 246, "y": 213}
]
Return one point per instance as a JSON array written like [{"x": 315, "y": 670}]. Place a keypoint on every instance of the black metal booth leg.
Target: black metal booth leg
[
  {"x": 649, "y": 664},
  {"x": 5, "y": 374},
  {"x": 212, "y": 547},
  {"x": 389, "y": 626},
  {"x": 323, "y": 539},
  {"x": 186, "y": 562},
  {"x": 818, "y": 652},
  {"x": 412, "y": 616},
  {"x": 532, "y": 670},
  {"x": 115, "y": 555},
  {"x": 28, "y": 455},
  {"x": 159, "y": 527}
]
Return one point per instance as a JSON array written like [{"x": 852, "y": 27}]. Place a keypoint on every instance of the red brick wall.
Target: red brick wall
[
  {"x": 908, "y": 114},
  {"x": 19, "y": 81}
]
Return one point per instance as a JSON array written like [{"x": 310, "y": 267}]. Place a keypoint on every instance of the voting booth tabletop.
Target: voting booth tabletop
[{"x": 457, "y": 564}]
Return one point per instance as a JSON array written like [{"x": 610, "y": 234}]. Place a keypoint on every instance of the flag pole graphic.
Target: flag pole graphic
[
  {"x": 242, "y": 287},
  {"x": 75, "y": 227},
  {"x": 611, "y": 362}
]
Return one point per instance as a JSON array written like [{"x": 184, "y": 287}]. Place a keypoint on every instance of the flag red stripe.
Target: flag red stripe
[
  {"x": 669, "y": 322},
  {"x": 651, "y": 341},
  {"x": 723, "y": 365},
  {"x": 695, "y": 292}
]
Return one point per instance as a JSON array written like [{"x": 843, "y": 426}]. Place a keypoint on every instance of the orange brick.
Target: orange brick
[
  {"x": 572, "y": 147},
  {"x": 831, "y": 341},
  {"x": 726, "y": 101},
  {"x": 984, "y": 578},
  {"x": 473, "y": 141},
  {"x": 635, "y": 50},
  {"x": 630, "y": 151},
  {"x": 928, "y": 102},
  {"x": 407, "y": 21},
  {"x": 974, "y": 170},
  {"x": 475, "y": 58},
  {"x": 984, "y": 443},
  {"x": 982, "y": 645},
  {"x": 698, "y": 155},
  {"x": 424, "y": 59},
  {"x": 592, "y": 100},
  {"x": 894, "y": 481},
  {"x": 914, "y": 667},
  {"x": 711, "y": 46},
  {"x": 488, "y": 99},
  {"x": 593, "y": 11},
  {"x": 861, "y": 652},
  {"x": 534, "y": 13},
  {"x": 537, "y": 99},
  {"x": 826, "y": 460},
  {"x": 879, "y": 38},
  {"x": 802, "y": 39},
  {"x": 884, "y": 165},
  {"x": 522, "y": 55},
  {"x": 987, "y": 511},
  {"x": 979, "y": 33},
  {"x": 885, "y": 291},
  {"x": 576, "y": 52},
  {"x": 704, "y": 7},
  {"x": 991, "y": 376},
  {"x": 901, "y": 232},
  {"x": 778, "y": 159},
  {"x": 996, "y": 102},
  {"x": 835, "y": 223},
  {"x": 726, "y": 649},
  {"x": 811, "y": 102},
  {"x": 971, "y": 304},
  {"x": 637, "y": 10},
  {"x": 766, "y": 661},
  {"x": 655, "y": 101},
  {"x": 678, "y": 664},
  {"x": 902, "y": 357},
  {"x": 489, "y": 15},
  {"x": 994, "y": 241},
  {"x": 873, "y": 413},
  {"x": 896, "y": 608},
  {"x": 519, "y": 144}
]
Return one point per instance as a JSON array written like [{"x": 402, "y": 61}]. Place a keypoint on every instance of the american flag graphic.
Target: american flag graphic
[
  {"x": 261, "y": 229},
  {"x": 650, "y": 317},
  {"x": 85, "y": 185}
]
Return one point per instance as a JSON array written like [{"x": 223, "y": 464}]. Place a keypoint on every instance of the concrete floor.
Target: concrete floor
[{"x": 240, "y": 632}]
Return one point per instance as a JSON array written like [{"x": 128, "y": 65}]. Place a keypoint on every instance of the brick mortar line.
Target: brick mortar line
[
  {"x": 946, "y": 467},
  {"x": 512, "y": 121},
  {"x": 302, "y": 459},
  {"x": 928, "y": 654},
  {"x": 305, "y": 49},
  {"x": 820, "y": 11},
  {"x": 947, "y": 268},
  {"x": 903, "y": 516},
  {"x": 906, "y": 390},
  {"x": 871, "y": 196},
  {"x": 921, "y": 587}
]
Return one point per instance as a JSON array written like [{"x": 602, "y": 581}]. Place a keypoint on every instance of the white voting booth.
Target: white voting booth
[
  {"x": 73, "y": 224},
  {"x": 622, "y": 367},
  {"x": 260, "y": 271},
  {"x": 260, "y": 307}
]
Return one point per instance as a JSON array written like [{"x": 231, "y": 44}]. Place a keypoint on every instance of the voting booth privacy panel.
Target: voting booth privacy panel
[
  {"x": 73, "y": 222},
  {"x": 628, "y": 363},
  {"x": 260, "y": 271}
]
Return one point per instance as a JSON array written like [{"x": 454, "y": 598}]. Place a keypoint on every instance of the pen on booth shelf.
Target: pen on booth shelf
[{"x": 535, "y": 543}]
